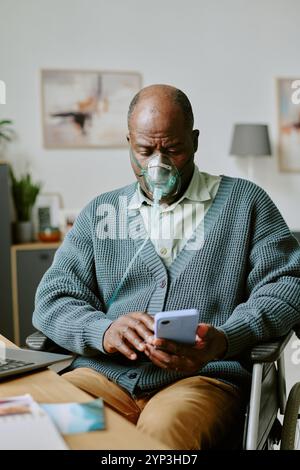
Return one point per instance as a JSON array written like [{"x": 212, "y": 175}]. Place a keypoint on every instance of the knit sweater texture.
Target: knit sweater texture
[{"x": 244, "y": 280}]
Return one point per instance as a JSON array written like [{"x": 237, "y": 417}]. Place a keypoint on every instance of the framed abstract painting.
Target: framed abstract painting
[
  {"x": 86, "y": 109},
  {"x": 288, "y": 111}
]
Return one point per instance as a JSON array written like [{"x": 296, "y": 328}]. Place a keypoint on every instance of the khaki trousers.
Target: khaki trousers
[{"x": 192, "y": 413}]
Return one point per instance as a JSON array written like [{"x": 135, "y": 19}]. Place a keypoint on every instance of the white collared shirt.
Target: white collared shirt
[{"x": 171, "y": 227}]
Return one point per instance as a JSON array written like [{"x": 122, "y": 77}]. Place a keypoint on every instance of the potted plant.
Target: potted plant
[{"x": 24, "y": 193}]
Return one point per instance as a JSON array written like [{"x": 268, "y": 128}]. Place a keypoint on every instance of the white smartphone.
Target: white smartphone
[{"x": 177, "y": 325}]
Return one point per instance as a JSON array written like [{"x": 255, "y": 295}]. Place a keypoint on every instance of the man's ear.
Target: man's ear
[
  {"x": 195, "y": 139},
  {"x": 128, "y": 138}
]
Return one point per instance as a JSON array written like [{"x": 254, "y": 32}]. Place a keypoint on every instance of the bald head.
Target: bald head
[
  {"x": 160, "y": 121},
  {"x": 161, "y": 98}
]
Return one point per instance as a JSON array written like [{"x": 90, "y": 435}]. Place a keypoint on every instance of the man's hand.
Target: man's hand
[
  {"x": 210, "y": 344},
  {"x": 127, "y": 333}
]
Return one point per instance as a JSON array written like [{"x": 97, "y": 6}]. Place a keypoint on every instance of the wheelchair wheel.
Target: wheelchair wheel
[{"x": 290, "y": 437}]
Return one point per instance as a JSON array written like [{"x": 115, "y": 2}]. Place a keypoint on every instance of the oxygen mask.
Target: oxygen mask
[{"x": 160, "y": 176}]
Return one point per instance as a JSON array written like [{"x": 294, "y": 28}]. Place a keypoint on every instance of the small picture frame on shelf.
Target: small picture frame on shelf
[{"x": 46, "y": 217}]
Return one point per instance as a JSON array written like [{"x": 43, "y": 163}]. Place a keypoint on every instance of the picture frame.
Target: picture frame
[
  {"x": 86, "y": 108},
  {"x": 288, "y": 119},
  {"x": 46, "y": 212}
]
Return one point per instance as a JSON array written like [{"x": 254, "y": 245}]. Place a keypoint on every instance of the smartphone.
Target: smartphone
[{"x": 177, "y": 325}]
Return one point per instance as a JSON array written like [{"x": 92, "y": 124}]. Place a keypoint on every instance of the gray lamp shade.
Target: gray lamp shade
[{"x": 250, "y": 140}]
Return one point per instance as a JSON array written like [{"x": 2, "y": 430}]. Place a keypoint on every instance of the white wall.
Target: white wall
[{"x": 223, "y": 53}]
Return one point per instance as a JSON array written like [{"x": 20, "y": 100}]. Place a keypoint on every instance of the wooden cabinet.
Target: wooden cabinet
[
  {"x": 6, "y": 324},
  {"x": 28, "y": 264}
]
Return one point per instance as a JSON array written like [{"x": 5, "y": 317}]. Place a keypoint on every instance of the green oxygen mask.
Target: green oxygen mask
[{"x": 160, "y": 176}]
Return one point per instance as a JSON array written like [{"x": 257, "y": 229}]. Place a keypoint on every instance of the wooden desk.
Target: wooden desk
[{"x": 48, "y": 387}]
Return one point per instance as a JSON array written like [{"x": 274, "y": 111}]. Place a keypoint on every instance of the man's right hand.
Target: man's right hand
[{"x": 129, "y": 332}]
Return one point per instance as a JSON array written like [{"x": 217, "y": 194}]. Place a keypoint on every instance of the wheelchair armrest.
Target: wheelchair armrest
[
  {"x": 270, "y": 351},
  {"x": 39, "y": 342},
  {"x": 297, "y": 330}
]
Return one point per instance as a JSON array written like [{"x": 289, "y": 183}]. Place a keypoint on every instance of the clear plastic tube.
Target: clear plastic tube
[
  {"x": 118, "y": 288},
  {"x": 157, "y": 195}
]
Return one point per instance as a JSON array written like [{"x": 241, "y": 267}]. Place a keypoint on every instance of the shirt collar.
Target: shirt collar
[{"x": 196, "y": 191}]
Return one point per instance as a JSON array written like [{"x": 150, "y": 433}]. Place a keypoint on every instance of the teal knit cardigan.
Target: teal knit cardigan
[{"x": 245, "y": 280}]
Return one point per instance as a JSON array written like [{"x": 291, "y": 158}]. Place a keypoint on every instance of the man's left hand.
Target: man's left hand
[{"x": 210, "y": 344}]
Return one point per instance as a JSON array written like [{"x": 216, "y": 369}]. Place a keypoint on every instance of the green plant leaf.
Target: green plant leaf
[
  {"x": 6, "y": 132},
  {"x": 5, "y": 122},
  {"x": 5, "y": 136}
]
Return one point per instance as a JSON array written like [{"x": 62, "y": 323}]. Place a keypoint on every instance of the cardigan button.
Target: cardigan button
[
  {"x": 163, "y": 283},
  {"x": 132, "y": 375}
]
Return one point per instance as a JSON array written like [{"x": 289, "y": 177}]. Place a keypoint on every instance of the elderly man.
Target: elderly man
[{"x": 115, "y": 270}]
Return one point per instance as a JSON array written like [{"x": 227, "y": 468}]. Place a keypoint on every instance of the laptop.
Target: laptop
[{"x": 18, "y": 361}]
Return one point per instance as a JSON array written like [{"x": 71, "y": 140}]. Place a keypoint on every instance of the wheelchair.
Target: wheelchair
[{"x": 260, "y": 427}]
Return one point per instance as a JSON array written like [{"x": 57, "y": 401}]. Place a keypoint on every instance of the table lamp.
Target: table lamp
[{"x": 250, "y": 140}]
